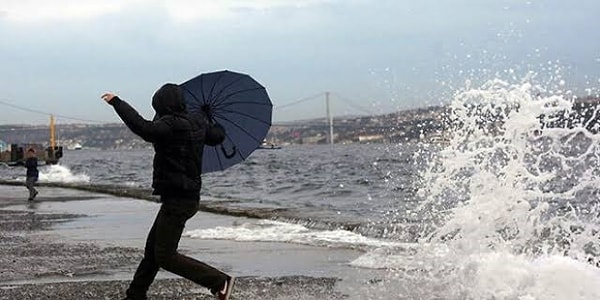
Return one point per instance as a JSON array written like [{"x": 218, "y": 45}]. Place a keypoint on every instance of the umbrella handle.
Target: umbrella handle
[{"x": 230, "y": 155}]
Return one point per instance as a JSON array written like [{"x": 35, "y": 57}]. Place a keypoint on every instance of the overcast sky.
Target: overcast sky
[{"x": 374, "y": 56}]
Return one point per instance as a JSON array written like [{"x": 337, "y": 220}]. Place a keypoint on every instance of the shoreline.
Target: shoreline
[
  {"x": 234, "y": 208},
  {"x": 49, "y": 255}
]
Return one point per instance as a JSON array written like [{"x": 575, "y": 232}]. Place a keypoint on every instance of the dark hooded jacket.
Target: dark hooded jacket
[
  {"x": 178, "y": 140},
  {"x": 31, "y": 164}
]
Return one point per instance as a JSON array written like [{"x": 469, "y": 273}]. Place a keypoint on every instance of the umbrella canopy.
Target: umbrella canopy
[{"x": 238, "y": 103}]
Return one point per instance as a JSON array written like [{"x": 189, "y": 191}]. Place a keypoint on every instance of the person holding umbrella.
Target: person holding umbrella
[{"x": 178, "y": 137}]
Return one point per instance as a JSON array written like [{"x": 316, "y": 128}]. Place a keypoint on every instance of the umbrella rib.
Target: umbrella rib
[
  {"x": 220, "y": 114},
  {"x": 241, "y": 155},
  {"x": 218, "y": 95},
  {"x": 202, "y": 90},
  {"x": 235, "y": 93},
  {"x": 212, "y": 88},
  {"x": 191, "y": 94},
  {"x": 244, "y": 130},
  {"x": 218, "y": 158},
  {"x": 245, "y": 102},
  {"x": 216, "y": 154}
]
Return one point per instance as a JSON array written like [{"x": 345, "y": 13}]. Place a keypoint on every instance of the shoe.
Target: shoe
[
  {"x": 130, "y": 298},
  {"x": 34, "y": 194},
  {"x": 129, "y": 295},
  {"x": 225, "y": 293}
]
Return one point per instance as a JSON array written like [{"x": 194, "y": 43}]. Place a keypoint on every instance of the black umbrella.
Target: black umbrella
[{"x": 238, "y": 103}]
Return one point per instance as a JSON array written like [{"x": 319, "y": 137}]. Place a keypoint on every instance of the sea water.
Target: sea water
[{"x": 507, "y": 209}]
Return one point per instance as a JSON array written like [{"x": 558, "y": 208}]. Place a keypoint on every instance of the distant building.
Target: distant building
[
  {"x": 376, "y": 138},
  {"x": 3, "y": 146},
  {"x": 317, "y": 139}
]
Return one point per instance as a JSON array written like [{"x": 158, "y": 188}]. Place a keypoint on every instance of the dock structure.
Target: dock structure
[{"x": 14, "y": 153}]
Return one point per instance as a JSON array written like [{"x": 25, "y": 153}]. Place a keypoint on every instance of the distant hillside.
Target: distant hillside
[
  {"x": 395, "y": 127},
  {"x": 424, "y": 123},
  {"x": 401, "y": 126},
  {"x": 105, "y": 136}
]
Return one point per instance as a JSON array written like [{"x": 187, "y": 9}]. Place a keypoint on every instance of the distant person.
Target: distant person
[
  {"x": 178, "y": 141},
  {"x": 31, "y": 163}
]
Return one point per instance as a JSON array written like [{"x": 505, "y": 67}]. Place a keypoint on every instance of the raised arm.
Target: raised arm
[{"x": 150, "y": 131}]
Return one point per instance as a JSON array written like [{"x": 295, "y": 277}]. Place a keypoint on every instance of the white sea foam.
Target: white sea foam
[
  {"x": 508, "y": 276},
  {"x": 491, "y": 275},
  {"x": 275, "y": 231},
  {"x": 59, "y": 173},
  {"x": 399, "y": 256}
]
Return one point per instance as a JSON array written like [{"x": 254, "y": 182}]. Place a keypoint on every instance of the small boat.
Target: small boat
[
  {"x": 268, "y": 146},
  {"x": 77, "y": 146}
]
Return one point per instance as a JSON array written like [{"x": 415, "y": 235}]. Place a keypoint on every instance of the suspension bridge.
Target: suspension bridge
[{"x": 319, "y": 117}]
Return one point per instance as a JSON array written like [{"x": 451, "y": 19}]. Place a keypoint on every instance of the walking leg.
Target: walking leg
[
  {"x": 29, "y": 181},
  {"x": 147, "y": 269},
  {"x": 169, "y": 227}
]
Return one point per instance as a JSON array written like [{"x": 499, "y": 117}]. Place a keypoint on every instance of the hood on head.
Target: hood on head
[{"x": 168, "y": 100}]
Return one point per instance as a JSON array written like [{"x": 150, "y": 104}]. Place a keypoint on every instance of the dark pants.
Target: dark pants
[
  {"x": 161, "y": 251},
  {"x": 30, "y": 183}
]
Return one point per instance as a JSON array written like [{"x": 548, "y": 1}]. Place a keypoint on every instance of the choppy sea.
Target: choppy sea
[{"x": 507, "y": 208}]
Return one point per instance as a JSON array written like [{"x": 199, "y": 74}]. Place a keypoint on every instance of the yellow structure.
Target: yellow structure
[{"x": 52, "y": 139}]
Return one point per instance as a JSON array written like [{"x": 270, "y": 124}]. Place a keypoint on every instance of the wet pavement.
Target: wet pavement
[{"x": 67, "y": 240}]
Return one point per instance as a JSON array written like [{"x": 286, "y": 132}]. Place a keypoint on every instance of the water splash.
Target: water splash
[
  {"x": 59, "y": 173},
  {"x": 510, "y": 203},
  {"x": 515, "y": 168}
]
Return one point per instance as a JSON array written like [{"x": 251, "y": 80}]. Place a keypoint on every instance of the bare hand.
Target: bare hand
[{"x": 108, "y": 96}]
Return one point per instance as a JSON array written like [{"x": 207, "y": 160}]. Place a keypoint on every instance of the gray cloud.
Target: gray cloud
[{"x": 388, "y": 55}]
